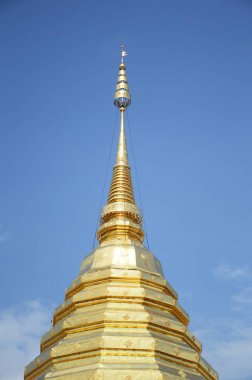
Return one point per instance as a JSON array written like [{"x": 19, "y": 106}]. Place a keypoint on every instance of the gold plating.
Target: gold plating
[{"x": 121, "y": 319}]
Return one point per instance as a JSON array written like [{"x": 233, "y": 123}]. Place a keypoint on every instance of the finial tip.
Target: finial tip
[{"x": 123, "y": 52}]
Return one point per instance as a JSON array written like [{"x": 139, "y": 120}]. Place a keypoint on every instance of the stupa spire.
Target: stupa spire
[
  {"x": 121, "y": 218},
  {"x": 120, "y": 319}
]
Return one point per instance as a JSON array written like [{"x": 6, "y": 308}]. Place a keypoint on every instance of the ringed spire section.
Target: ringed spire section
[{"x": 122, "y": 96}]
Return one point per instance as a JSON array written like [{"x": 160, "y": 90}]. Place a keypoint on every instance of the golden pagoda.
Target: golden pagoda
[{"x": 121, "y": 319}]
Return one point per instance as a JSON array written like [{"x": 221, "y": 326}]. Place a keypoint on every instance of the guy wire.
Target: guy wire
[
  {"x": 106, "y": 177},
  {"x": 138, "y": 186}
]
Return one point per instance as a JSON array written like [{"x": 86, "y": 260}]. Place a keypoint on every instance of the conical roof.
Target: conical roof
[{"x": 121, "y": 319}]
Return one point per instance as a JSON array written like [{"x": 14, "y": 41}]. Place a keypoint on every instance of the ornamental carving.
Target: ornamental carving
[
  {"x": 128, "y": 343},
  {"x": 182, "y": 373},
  {"x": 94, "y": 376},
  {"x": 121, "y": 206}
]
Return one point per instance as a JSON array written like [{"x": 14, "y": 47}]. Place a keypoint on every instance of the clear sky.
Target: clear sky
[{"x": 189, "y": 67}]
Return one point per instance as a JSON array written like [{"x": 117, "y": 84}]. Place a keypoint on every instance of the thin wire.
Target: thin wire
[
  {"x": 105, "y": 179},
  {"x": 137, "y": 178}
]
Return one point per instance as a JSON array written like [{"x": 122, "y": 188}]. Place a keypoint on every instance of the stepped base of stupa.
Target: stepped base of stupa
[{"x": 120, "y": 320}]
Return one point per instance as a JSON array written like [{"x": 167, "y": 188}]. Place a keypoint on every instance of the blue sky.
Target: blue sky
[{"x": 189, "y": 69}]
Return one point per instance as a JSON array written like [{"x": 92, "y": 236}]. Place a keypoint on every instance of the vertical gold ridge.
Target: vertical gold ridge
[{"x": 122, "y": 154}]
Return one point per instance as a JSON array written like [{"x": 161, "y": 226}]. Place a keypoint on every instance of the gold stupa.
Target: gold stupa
[{"x": 121, "y": 319}]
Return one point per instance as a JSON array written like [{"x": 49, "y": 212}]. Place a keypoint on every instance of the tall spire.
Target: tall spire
[
  {"x": 120, "y": 319},
  {"x": 121, "y": 219}
]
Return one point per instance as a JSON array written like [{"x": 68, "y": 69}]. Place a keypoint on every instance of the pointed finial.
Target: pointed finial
[{"x": 123, "y": 53}]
